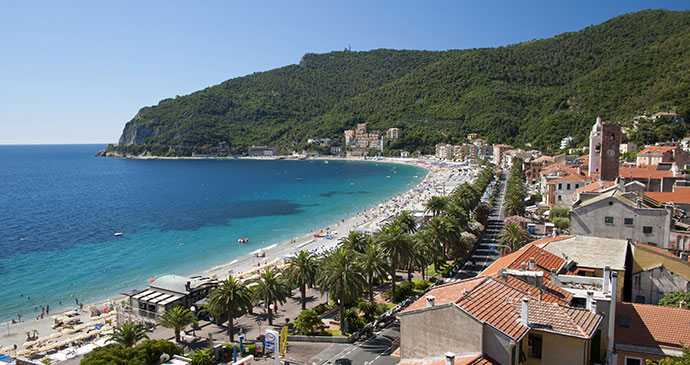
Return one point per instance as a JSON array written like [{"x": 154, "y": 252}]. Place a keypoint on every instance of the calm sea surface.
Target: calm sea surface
[{"x": 60, "y": 206}]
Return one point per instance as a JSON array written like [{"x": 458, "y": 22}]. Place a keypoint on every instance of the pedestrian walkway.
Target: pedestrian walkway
[{"x": 486, "y": 253}]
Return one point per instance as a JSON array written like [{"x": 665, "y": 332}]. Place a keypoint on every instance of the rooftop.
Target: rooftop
[
  {"x": 177, "y": 283},
  {"x": 595, "y": 186},
  {"x": 679, "y": 195},
  {"x": 590, "y": 252},
  {"x": 497, "y": 302},
  {"x": 655, "y": 151},
  {"x": 652, "y": 325},
  {"x": 644, "y": 172}
]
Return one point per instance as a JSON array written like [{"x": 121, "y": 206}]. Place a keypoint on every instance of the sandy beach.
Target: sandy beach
[{"x": 438, "y": 180}]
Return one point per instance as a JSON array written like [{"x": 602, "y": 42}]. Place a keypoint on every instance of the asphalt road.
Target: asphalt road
[{"x": 375, "y": 350}]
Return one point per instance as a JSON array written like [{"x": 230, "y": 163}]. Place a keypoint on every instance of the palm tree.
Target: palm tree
[
  {"x": 436, "y": 205},
  {"x": 513, "y": 236},
  {"x": 514, "y": 205},
  {"x": 407, "y": 222},
  {"x": 340, "y": 271},
  {"x": 444, "y": 232},
  {"x": 231, "y": 295},
  {"x": 302, "y": 271},
  {"x": 271, "y": 288},
  {"x": 177, "y": 318},
  {"x": 128, "y": 334},
  {"x": 396, "y": 244},
  {"x": 426, "y": 246},
  {"x": 355, "y": 241},
  {"x": 375, "y": 265}
]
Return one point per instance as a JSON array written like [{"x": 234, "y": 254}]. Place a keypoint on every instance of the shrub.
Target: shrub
[
  {"x": 321, "y": 308},
  {"x": 421, "y": 284},
  {"x": 561, "y": 223},
  {"x": 674, "y": 299},
  {"x": 403, "y": 291},
  {"x": 308, "y": 321},
  {"x": 558, "y": 212},
  {"x": 249, "y": 349},
  {"x": 354, "y": 321}
]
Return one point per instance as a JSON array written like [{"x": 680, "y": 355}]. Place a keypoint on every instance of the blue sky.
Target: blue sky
[{"x": 77, "y": 71}]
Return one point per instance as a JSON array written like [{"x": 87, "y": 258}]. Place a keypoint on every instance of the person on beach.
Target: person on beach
[{"x": 48, "y": 309}]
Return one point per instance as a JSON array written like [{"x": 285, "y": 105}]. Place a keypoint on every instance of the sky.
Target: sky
[{"x": 77, "y": 71}]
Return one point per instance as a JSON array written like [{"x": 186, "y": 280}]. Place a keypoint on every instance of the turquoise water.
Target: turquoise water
[{"x": 60, "y": 206}]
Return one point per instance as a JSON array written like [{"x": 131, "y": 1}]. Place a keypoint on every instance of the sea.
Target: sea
[{"x": 60, "y": 207}]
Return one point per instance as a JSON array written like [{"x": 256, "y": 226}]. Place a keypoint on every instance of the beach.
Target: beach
[{"x": 437, "y": 180}]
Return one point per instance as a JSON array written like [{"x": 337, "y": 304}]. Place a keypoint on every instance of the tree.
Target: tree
[
  {"x": 674, "y": 299},
  {"x": 513, "y": 236},
  {"x": 396, "y": 244},
  {"x": 271, "y": 288},
  {"x": 128, "y": 334},
  {"x": 231, "y": 295},
  {"x": 307, "y": 321},
  {"x": 558, "y": 212},
  {"x": 407, "y": 221},
  {"x": 436, "y": 205},
  {"x": 355, "y": 241},
  {"x": 148, "y": 352},
  {"x": 561, "y": 223},
  {"x": 482, "y": 212},
  {"x": 301, "y": 270},
  {"x": 375, "y": 265},
  {"x": 340, "y": 271},
  {"x": 426, "y": 246},
  {"x": 177, "y": 318}
]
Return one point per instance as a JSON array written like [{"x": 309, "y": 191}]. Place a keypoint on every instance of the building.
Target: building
[
  {"x": 404, "y": 154},
  {"x": 535, "y": 166},
  {"x": 349, "y": 136},
  {"x": 628, "y": 147},
  {"x": 622, "y": 213},
  {"x": 167, "y": 292},
  {"x": 393, "y": 134},
  {"x": 566, "y": 141},
  {"x": 359, "y": 141},
  {"x": 336, "y": 150},
  {"x": 660, "y": 177},
  {"x": 260, "y": 151},
  {"x": 649, "y": 332},
  {"x": 502, "y": 322},
  {"x": 472, "y": 136},
  {"x": 561, "y": 192},
  {"x": 445, "y": 151},
  {"x": 499, "y": 151},
  {"x": 656, "y": 273},
  {"x": 604, "y": 151},
  {"x": 654, "y": 155}
]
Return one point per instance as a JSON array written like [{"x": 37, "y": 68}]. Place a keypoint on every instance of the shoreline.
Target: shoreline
[{"x": 247, "y": 265}]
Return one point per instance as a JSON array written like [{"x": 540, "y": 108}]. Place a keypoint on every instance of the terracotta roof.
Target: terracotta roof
[
  {"x": 652, "y": 325},
  {"x": 643, "y": 172},
  {"x": 544, "y": 159},
  {"x": 549, "y": 293},
  {"x": 448, "y": 293},
  {"x": 544, "y": 259},
  {"x": 655, "y": 150},
  {"x": 462, "y": 360},
  {"x": 679, "y": 195},
  {"x": 655, "y": 249},
  {"x": 595, "y": 186},
  {"x": 497, "y": 302},
  {"x": 572, "y": 177}
]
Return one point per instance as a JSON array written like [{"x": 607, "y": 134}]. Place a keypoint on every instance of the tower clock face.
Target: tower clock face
[{"x": 610, "y": 153}]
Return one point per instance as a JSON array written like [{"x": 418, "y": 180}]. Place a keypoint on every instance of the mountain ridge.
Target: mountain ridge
[{"x": 537, "y": 91}]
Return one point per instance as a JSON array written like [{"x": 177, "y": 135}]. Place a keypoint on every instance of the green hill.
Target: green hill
[{"x": 538, "y": 91}]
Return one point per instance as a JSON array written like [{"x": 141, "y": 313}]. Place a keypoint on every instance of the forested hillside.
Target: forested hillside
[{"x": 537, "y": 91}]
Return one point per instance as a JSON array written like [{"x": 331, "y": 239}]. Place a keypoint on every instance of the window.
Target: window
[
  {"x": 637, "y": 281},
  {"x": 628, "y": 221},
  {"x": 534, "y": 346},
  {"x": 577, "y": 186},
  {"x": 560, "y": 197},
  {"x": 560, "y": 186},
  {"x": 646, "y": 229},
  {"x": 568, "y": 186},
  {"x": 633, "y": 361},
  {"x": 608, "y": 220}
]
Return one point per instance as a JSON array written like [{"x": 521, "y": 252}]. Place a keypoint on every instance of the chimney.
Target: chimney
[
  {"x": 606, "y": 280},
  {"x": 683, "y": 304},
  {"x": 639, "y": 202},
  {"x": 684, "y": 256},
  {"x": 522, "y": 266},
  {"x": 593, "y": 309},
  {"x": 554, "y": 278},
  {"x": 524, "y": 315},
  {"x": 612, "y": 310},
  {"x": 430, "y": 301},
  {"x": 532, "y": 264},
  {"x": 590, "y": 298},
  {"x": 450, "y": 358}
]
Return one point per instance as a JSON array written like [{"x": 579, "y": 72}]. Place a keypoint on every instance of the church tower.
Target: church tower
[{"x": 595, "y": 148}]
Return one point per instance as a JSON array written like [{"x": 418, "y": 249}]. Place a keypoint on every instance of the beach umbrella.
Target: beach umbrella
[{"x": 29, "y": 343}]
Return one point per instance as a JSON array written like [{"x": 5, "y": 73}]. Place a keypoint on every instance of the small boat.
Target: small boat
[
  {"x": 242, "y": 240},
  {"x": 299, "y": 179},
  {"x": 118, "y": 234}
]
